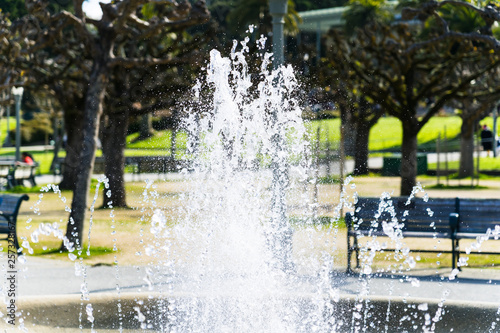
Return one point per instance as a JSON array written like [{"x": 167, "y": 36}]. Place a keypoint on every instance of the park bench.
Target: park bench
[
  {"x": 6, "y": 176},
  {"x": 15, "y": 175},
  {"x": 398, "y": 217},
  {"x": 476, "y": 219},
  {"x": 23, "y": 172},
  {"x": 9, "y": 209},
  {"x": 449, "y": 218}
]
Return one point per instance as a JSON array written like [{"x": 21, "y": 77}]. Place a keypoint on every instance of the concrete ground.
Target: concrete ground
[{"x": 481, "y": 284}]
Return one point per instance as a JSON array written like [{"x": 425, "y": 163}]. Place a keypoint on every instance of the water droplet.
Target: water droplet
[
  {"x": 423, "y": 307},
  {"x": 89, "y": 310}
]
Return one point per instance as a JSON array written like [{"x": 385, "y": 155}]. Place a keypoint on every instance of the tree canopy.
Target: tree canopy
[{"x": 412, "y": 71}]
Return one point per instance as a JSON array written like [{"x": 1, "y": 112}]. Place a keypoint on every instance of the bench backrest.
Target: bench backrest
[
  {"x": 478, "y": 215},
  {"x": 418, "y": 215},
  {"x": 24, "y": 171},
  {"x": 9, "y": 205},
  {"x": 4, "y": 170}
]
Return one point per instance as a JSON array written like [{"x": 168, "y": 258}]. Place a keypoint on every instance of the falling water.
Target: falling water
[{"x": 247, "y": 140}]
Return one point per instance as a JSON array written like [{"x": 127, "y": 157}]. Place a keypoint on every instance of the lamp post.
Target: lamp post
[
  {"x": 18, "y": 94},
  {"x": 281, "y": 237},
  {"x": 278, "y": 9},
  {"x": 8, "y": 142}
]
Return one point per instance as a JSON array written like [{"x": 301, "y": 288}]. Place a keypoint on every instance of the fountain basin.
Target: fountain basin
[{"x": 380, "y": 314}]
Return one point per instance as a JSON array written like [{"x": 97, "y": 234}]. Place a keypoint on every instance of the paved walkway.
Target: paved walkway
[{"x": 39, "y": 276}]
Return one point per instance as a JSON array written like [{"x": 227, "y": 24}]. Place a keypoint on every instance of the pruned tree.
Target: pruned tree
[
  {"x": 99, "y": 42},
  {"x": 142, "y": 91},
  {"x": 475, "y": 104},
  {"x": 400, "y": 68},
  {"x": 358, "y": 112}
]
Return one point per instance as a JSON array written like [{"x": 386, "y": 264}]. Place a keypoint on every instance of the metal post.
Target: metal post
[
  {"x": 438, "y": 151},
  {"x": 318, "y": 42},
  {"x": 494, "y": 143},
  {"x": 8, "y": 142},
  {"x": 445, "y": 148},
  {"x": 18, "y": 94},
  {"x": 281, "y": 237},
  {"x": 342, "y": 165},
  {"x": 278, "y": 9}
]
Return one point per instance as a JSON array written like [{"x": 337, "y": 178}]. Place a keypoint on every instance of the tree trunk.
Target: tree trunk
[
  {"x": 349, "y": 131},
  {"x": 409, "y": 157},
  {"x": 74, "y": 131},
  {"x": 146, "y": 130},
  {"x": 466, "y": 168},
  {"x": 361, "y": 151},
  {"x": 93, "y": 110},
  {"x": 114, "y": 142}
]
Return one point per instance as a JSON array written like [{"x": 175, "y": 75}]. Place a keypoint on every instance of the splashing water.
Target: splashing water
[{"x": 247, "y": 143}]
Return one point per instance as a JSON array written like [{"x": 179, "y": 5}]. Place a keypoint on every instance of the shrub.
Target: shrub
[{"x": 35, "y": 130}]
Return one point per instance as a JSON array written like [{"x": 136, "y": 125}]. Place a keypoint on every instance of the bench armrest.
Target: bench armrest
[
  {"x": 454, "y": 218},
  {"x": 348, "y": 220}
]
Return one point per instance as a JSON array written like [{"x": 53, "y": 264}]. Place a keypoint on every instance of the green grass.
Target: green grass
[
  {"x": 160, "y": 140},
  {"x": 388, "y": 133},
  {"x": 330, "y": 179},
  {"x": 385, "y": 136},
  {"x": 457, "y": 187},
  {"x": 3, "y": 128},
  {"x": 95, "y": 251},
  {"x": 485, "y": 164}
]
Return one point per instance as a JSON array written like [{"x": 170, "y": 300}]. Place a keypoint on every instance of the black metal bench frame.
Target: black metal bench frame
[
  {"x": 454, "y": 219},
  {"x": 417, "y": 218},
  {"x": 473, "y": 219},
  {"x": 9, "y": 210}
]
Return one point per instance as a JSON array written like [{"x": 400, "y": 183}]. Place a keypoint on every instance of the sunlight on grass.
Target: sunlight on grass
[{"x": 388, "y": 133}]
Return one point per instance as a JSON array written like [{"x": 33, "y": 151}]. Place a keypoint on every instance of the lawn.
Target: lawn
[
  {"x": 485, "y": 164},
  {"x": 387, "y": 133}
]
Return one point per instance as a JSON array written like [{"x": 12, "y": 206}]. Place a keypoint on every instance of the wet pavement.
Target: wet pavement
[{"x": 40, "y": 276}]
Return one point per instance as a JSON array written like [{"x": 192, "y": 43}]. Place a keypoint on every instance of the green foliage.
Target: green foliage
[
  {"x": 16, "y": 9},
  {"x": 485, "y": 164},
  {"x": 13, "y": 8},
  {"x": 462, "y": 19},
  {"x": 329, "y": 179},
  {"x": 303, "y": 5},
  {"x": 57, "y": 253},
  {"x": 36, "y": 129},
  {"x": 361, "y": 13},
  {"x": 256, "y": 12}
]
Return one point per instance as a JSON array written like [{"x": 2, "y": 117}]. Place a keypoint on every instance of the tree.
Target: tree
[
  {"x": 361, "y": 14},
  {"x": 474, "y": 105},
  {"x": 100, "y": 40},
  {"x": 358, "y": 113},
  {"x": 303, "y": 5},
  {"x": 141, "y": 91},
  {"x": 400, "y": 70},
  {"x": 14, "y": 9},
  {"x": 256, "y": 12}
]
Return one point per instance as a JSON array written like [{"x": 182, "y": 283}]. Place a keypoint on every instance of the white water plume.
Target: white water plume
[{"x": 247, "y": 140}]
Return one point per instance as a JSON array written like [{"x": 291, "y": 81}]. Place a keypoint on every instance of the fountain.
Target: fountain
[{"x": 244, "y": 255}]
